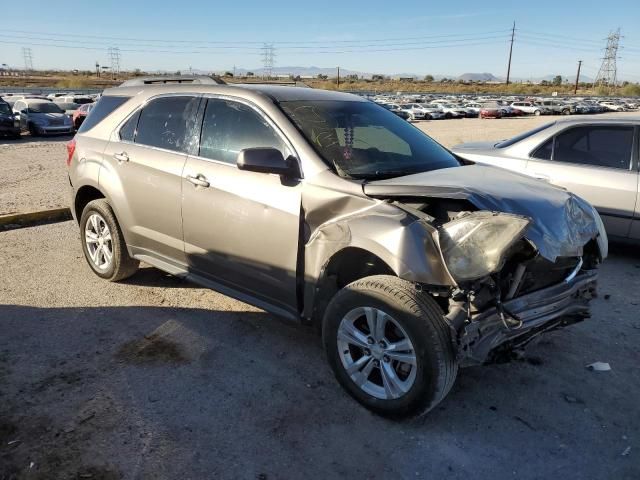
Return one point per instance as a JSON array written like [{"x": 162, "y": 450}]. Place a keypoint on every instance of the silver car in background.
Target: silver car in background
[{"x": 595, "y": 158}]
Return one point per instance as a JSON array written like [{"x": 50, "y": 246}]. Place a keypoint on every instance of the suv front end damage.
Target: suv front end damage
[{"x": 523, "y": 259}]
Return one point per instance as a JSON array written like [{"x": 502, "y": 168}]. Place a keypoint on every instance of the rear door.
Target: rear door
[
  {"x": 241, "y": 229},
  {"x": 145, "y": 166},
  {"x": 597, "y": 163}
]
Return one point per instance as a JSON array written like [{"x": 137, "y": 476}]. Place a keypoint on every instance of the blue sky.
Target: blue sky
[{"x": 421, "y": 37}]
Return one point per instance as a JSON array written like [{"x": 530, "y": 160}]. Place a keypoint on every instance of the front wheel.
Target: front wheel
[
  {"x": 389, "y": 346},
  {"x": 103, "y": 243},
  {"x": 537, "y": 113}
]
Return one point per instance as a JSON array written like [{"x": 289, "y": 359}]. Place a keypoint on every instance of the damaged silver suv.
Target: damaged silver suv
[{"x": 325, "y": 208}]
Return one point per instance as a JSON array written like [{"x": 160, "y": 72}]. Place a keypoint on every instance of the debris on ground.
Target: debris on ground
[
  {"x": 599, "y": 367},
  {"x": 607, "y": 296},
  {"x": 571, "y": 399},
  {"x": 626, "y": 451}
]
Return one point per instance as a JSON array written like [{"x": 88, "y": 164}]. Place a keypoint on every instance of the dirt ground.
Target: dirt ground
[
  {"x": 157, "y": 378},
  {"x": 33, "y": 174}
]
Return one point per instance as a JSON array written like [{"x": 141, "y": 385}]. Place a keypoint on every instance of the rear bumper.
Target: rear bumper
[{"x": 527, "y": 316}]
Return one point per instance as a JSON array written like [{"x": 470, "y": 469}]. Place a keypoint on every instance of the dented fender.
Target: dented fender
[{"x": 335, "y": 221}]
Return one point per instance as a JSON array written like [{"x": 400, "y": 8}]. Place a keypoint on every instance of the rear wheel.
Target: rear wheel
[
  {"x": 389, "y": 346},
  {"x": 103, "y": 243},
  {"x": 566, "y": 111}
]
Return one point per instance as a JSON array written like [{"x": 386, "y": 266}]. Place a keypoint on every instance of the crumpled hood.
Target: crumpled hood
[{"x": 561, "y": 222}]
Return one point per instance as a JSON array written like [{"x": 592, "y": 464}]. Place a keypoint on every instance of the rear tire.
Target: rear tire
[
  {"x": 97, "y": 218},
  {"x": 394, "y": 387}
]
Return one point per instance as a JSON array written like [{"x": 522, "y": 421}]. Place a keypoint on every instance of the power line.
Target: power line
[
  {"x": 296, "y": 47},
  {"x": 256, "y": 43},
  {"x": 305, "y": 52}
]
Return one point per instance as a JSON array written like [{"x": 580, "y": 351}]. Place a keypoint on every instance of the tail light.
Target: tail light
[{"x": 71, "y": 148}]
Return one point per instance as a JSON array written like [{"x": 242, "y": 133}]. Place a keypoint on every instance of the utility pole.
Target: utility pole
[
  {"x": 97, "y": 69},
  {"x": 575, "y": 90},
  {"x": 513, "y": 34},
  {"x": 338, "y": 78}
]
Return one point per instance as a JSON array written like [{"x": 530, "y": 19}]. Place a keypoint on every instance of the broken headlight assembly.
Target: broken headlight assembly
[{"x": 474, "y": 245}]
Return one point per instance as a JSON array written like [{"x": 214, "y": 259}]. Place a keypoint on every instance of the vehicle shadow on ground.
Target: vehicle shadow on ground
[
  {"x": 149, "y": 276},
  {"x": 175, "y": 390}
]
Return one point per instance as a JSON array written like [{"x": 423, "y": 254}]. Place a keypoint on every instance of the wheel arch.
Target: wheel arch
[
  {"x": 84, "y": 195},
  {"x": 342, "y": 268}
]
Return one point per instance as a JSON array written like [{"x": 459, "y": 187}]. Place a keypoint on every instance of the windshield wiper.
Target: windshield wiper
[{"x": 383, "y": 175}]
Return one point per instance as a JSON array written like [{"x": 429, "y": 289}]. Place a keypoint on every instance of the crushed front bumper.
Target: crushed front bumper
[{"x": 522, "y": 318}]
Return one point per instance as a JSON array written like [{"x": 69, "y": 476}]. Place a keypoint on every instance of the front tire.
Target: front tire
[
  {"x": 537, "y": 113},
  {"x": 389, "y": 346},
  {"x": 103, "y": 244}
]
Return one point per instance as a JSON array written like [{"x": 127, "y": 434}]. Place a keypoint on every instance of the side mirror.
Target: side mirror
[{"x": 267, "y": 160}]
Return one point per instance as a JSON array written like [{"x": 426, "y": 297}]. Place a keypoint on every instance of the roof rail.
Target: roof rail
[{"x": 164, "y": 79}]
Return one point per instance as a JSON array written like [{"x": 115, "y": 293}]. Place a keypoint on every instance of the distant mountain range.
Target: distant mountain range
[{"x": 314, "y": 71}]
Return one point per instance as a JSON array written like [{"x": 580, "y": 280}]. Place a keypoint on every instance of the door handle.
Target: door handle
[
  {"x": 121, "y": 157},
  {"x": 198, "y": 180}
]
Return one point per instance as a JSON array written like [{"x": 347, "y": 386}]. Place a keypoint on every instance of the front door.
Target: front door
[{"x": 241, "y": 228}]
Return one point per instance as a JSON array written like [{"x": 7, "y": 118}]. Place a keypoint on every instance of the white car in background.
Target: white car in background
[
  {"x": 530, "y": 107},
  {"x": 450, "y": 110},
  {"x": 613, "y": 106},
  {"x": 473, "y": 108},
  {"x": 430, "y": 112},
  {"x": 414, "y": 110}
]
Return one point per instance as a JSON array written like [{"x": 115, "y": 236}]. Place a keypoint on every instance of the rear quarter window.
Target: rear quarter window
[{"x": 100, "y": 111}]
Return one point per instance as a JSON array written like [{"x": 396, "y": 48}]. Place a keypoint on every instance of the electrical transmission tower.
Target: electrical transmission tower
[
  {"x": 114, "y": 56},
  {"x": 608, "y": 73},
  {"x": 28, "y": 59},
  {"x": 268, "y": 59}
]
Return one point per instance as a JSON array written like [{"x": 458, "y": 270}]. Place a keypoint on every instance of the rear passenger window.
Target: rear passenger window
[
  {"x": 100, "y": 111},
  {"x": 128, "y": 130},
  {"x": 600, "y": 146},
  {"x": 168, "y": 123},
  {"x": 229, "y": 127}
]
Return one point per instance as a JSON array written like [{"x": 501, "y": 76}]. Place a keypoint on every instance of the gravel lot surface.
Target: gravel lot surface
[
  {"x": 33, "y": 174},
  {"x": 156, "y": 378}
]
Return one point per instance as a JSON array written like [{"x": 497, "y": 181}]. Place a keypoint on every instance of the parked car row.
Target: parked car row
[
  {"x": 43, "y": 115},
  {"x": 435, "y": 107}
]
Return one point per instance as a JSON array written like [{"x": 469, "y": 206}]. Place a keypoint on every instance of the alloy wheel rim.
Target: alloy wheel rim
[
  {"x": 376, "y": 353},
  {"x": 97, "y": 237}
]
